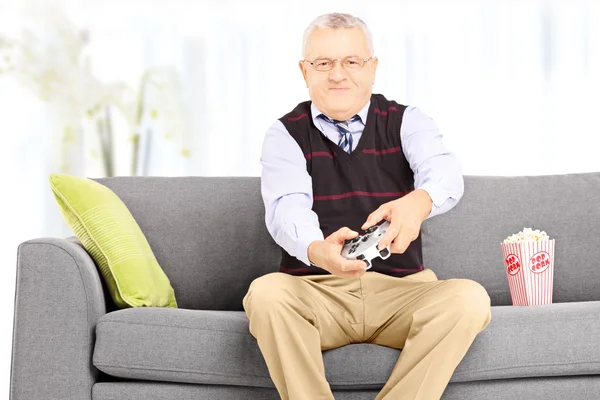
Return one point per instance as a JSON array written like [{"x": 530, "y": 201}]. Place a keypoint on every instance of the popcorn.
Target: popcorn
[
  {"x": 529, "y": 265},
  {"x": 527, "y": 235}
]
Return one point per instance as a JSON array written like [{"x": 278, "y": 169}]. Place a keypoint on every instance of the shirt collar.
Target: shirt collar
[{"x": 362, "y": 113}]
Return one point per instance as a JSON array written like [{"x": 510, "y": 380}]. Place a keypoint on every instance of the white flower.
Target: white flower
[
  {"x": 163, "y": 100},
  {"x": 48, "y": 57}
]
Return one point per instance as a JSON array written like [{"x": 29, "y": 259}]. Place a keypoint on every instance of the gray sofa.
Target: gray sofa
[{"x": 209, "y": 235}]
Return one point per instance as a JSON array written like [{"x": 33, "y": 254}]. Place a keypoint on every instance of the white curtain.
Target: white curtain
[{"x": 512, "y": 85}]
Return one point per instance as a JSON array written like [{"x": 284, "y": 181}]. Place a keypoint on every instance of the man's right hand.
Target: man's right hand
[{"x": 326, "y": 254}]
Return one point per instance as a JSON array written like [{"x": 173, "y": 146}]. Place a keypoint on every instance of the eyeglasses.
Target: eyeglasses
[{"x": 349, "y": 63}]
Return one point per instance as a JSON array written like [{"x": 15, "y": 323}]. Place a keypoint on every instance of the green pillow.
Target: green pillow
[{"x": 112, "y": 237}]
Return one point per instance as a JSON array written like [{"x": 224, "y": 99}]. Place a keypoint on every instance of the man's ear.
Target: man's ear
[
  {"x": 303, "y": 69},
  {"x": 374, "y": 66}
]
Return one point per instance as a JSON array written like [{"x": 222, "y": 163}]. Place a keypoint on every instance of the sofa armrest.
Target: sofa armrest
[{"x": 59, "y": 297}]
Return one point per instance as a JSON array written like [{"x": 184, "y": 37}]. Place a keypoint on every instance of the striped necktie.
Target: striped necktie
[{"x": 344, "y": 127}]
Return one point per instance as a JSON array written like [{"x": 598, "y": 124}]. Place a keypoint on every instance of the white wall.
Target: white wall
[{"x": 513, "y": 86}]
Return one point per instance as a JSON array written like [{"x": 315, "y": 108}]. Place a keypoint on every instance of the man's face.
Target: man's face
[{"x": 340, "y": 92}]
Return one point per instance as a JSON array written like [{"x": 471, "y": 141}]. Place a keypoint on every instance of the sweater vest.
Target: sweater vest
[{"x": 349, "y": 187}]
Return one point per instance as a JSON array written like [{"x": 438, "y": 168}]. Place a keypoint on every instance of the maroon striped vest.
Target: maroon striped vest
[{"x": 348, "y": 187}]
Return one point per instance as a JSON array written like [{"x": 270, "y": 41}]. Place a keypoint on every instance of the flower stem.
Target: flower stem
[
  {"x": 138, "y": 122},
  {"x": 105, "y": 147},
  {"x": 109, "y": 140}
]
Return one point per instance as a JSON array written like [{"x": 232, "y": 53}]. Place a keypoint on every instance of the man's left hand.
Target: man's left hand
[{"x": 405, "y": 216}]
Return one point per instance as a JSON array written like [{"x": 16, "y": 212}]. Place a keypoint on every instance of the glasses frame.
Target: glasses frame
[{"x": 334, "y": 60}]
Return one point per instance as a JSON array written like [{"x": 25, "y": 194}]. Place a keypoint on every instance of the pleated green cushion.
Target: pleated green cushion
[{"x": 114, "y": 240}]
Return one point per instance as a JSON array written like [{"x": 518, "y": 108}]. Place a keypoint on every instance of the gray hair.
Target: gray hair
[{"x": 336, "y": 21}]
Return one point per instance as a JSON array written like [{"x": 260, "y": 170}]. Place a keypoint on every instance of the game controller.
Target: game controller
[{"x": 364, "y": 247}]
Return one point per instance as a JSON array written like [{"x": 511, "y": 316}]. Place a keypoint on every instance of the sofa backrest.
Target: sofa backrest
[{"x": 209, "y": 234}]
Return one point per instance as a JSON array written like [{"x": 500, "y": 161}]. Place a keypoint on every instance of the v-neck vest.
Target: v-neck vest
[{"x": 348, "y": 187}]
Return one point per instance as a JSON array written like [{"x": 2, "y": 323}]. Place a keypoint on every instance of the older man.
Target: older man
[{"x": 341, "y": 162}]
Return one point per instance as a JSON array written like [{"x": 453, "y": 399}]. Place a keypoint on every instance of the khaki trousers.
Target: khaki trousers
[{"x": 434, "y": 322}]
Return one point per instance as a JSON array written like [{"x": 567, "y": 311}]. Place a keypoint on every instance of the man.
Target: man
[{"x": 342, "y": 162}]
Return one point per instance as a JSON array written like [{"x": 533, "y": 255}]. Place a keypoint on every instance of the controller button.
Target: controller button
[{"x": 384, "y": 252}]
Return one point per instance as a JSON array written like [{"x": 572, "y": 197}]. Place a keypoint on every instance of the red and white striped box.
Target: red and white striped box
[{"x": 529, "y": 269}]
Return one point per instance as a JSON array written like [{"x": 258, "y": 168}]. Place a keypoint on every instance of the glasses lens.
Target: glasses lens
[
  {"x": 323, "y": 64},
  {"x": 353, "y": 62}
]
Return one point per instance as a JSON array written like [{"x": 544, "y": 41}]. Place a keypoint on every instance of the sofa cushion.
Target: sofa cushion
[
  {"x": 111, "y": 236},
  {"x": 215, "y": 347},
  {"x": 189, "y": 224},
  {"x": 552, "y": 388}
]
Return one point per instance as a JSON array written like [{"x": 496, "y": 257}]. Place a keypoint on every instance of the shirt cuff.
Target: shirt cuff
[
  {"x": 436, "y": 194},
  {"x": 308, "y": 235}
]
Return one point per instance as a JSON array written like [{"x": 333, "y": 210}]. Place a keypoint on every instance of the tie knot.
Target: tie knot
[{"x": 343, "y": 127}]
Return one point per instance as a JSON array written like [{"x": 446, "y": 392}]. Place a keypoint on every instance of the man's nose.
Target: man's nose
[{"x": 337, "y": 73}]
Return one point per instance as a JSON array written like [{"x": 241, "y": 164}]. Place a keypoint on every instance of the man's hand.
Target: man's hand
[
  {"x": 405, "y": 216},
  {"x": 327, "y": 254}
]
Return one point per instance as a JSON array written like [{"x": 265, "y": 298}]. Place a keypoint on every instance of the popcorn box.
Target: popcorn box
[{"x": 529, "y": 269}]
